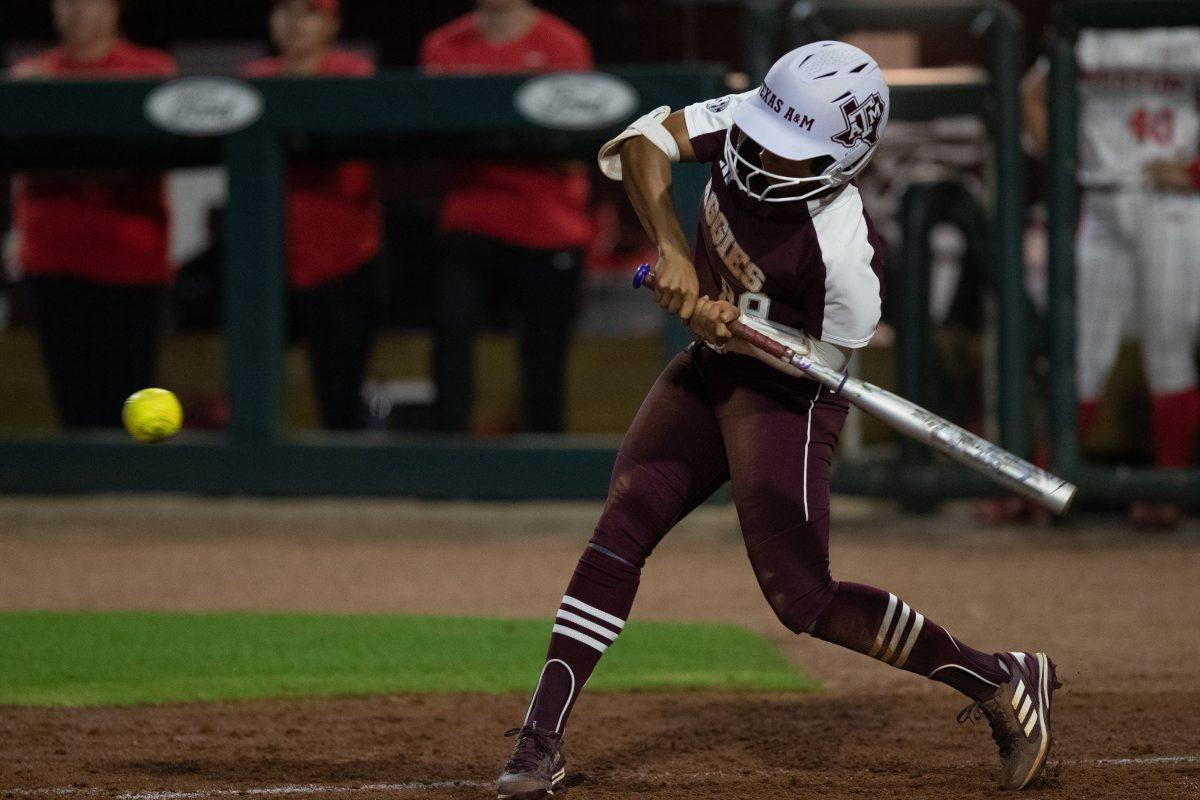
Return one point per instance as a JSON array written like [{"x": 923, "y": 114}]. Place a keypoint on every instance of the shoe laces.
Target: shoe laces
[
  {"x": 1002, "y": 735},
  {"x": 533, "y": 744}
]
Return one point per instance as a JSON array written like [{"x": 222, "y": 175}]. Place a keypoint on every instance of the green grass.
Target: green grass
[{"x": 76, "y": 659}]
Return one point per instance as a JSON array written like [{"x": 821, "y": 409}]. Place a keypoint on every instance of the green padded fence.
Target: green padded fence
[
  {"x": 76, "y": 125},
  {"x": 104, "y": 124}
]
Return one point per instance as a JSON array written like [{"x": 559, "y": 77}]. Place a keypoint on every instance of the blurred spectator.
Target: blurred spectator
[
  {"x": 520, "y": 229},
  {"x": 94, "y": 249},
  {"x": 1138, "y": 266},
  {"x": 333, "y": 224}
]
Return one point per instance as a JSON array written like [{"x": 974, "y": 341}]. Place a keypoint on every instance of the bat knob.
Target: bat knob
[{"x": 639, "y": 277}]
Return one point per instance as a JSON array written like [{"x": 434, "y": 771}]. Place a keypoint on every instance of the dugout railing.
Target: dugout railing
[
  {"x": 77, "y": 125},
  {"x": 1097, "y": 484}
]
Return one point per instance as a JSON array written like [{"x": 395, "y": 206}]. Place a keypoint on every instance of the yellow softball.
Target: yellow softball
[{"x": 152, "y": 415}]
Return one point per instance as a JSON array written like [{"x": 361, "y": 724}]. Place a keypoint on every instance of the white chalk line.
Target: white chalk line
[
  {"x": 1120, "y": 762},
  {"x": 297, "y": 789},
  {"x": 424, "y": 786}
]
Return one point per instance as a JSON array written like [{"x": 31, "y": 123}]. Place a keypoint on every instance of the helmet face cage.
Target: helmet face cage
[{"x": 748, "y": 173}]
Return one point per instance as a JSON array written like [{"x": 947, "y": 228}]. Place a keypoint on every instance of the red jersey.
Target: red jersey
[
  {"x": 542, "y": 207},
  {"x": 112, "y": 230},
  {"x": 333, "y": 212}
]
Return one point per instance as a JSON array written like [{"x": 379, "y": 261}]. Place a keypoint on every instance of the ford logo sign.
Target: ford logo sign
[
  {"x": 576, "y": 101},
  {"x": 204, "y": 106}
]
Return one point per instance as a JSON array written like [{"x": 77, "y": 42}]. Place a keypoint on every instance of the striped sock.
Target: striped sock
[
  {"x": 589, "y": 619},
  {"x": 883, "y": 626}
]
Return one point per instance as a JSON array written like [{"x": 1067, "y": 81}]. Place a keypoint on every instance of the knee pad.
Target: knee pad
[{"x": 800, "y": 605}]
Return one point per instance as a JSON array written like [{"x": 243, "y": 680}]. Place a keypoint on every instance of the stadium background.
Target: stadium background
[{"x": 141, "y": 630}]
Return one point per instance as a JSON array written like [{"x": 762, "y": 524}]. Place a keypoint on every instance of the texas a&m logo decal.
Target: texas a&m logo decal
[{"x": 862, "y": 120}]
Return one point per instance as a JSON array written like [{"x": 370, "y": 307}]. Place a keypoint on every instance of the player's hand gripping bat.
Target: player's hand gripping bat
[{"x": 915, "y": 422}]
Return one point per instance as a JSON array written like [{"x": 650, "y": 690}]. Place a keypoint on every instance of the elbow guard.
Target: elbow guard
[{"x": 649, "y": 126}]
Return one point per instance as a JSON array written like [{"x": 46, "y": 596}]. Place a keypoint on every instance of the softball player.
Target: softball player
[
  {"x": 783, "y": 237},
  {"x": 1139, "y": 233}
]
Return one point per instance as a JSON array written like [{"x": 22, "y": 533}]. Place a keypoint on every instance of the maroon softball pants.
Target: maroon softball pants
[{"x": 711, "y": 418}]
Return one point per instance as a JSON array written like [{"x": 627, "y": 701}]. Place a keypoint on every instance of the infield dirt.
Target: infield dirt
[{"x": 1116, "y": 610}]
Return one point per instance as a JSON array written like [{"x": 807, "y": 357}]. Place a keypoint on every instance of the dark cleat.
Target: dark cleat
[
  {"x": 1019, "y": 714},
  {"x": 537, "y": 766}
]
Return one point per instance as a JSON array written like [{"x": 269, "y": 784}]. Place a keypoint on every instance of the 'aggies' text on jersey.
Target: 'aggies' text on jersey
[{"x": 819, "y": 263}]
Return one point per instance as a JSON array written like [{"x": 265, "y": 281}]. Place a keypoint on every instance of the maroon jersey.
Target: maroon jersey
[{"x": 818, "y": 263}]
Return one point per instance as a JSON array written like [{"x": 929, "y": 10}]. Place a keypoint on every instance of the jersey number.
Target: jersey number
[
  {"x": 1157, "y": 126},
  {"x": 755, "y": 304}
]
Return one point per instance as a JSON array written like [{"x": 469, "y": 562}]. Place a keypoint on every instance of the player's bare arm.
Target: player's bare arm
[
  {"x": 1036, "y": 133},
  {"x": 646, "y": 173},
  {"x": 1172, "y": 176}
]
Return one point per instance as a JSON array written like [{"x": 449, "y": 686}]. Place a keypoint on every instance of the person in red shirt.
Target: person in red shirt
[
  {"x": 94, "y": 249},
  {"x": 333, "y": 223},
  {"x": 521, "y": 228}
]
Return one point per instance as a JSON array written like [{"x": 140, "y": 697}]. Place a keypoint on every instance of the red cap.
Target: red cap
[{"x": 332, "y": 6}]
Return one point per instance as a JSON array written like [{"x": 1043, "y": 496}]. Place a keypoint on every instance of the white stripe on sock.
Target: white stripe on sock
[
  {"x": 571, "y": 633},
  {"x": 603, "y": 616},
  {"x": 911, "y": 640},
  {"x": 584, "y": 623},
  {"x": 905, "y": 611},
  {"x": 883, "y": 629}
]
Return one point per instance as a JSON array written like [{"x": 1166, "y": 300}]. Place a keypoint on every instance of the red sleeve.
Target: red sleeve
[
  {"x": 262, "y": 68},
  {"x": 571, "y": 49},
  {"x": 359, "y": 67},
  {"x": 345, "y": 64},
  {"x": 31, "y": 67},
  {"x": 430, "y": 57},
  {"x": 1194, "y": 173},
  {"x": 165, "y": 66},
  {"x": 150, "y": 62}
]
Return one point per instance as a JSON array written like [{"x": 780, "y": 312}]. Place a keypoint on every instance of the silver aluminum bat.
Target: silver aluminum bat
[{"x": 915, "y": 422}]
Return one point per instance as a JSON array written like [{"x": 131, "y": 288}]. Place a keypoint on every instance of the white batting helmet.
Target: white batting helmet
[{"x": 822, "y": 99}]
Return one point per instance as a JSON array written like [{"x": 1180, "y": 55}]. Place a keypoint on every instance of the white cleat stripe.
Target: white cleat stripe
[
  {"x": 1033, "y": 718},
  {"x": 1018, "y": 694},
  {"x": 1024, "y": 712},
  {"x": 1043, "y": 690}
]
